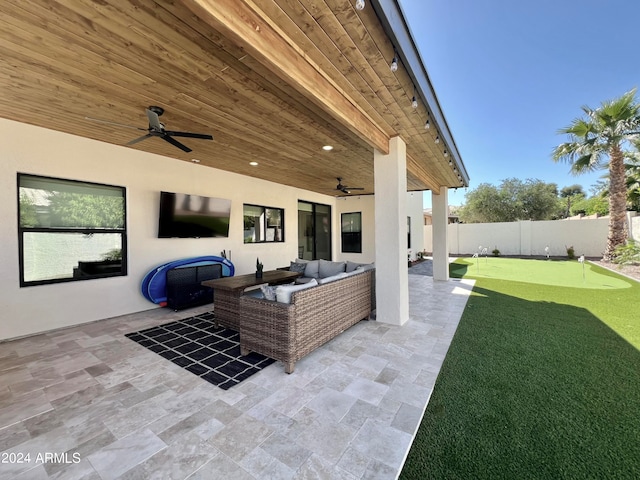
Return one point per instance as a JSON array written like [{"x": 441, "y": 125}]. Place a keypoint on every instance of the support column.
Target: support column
[
  {"x": 392, "y": 279},
  {"x": 440, "y": 212}
]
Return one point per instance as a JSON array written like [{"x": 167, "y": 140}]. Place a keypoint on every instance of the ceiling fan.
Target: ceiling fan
[
  {"x": 156, "y": 129},
  {"x": 344, "y": 188}
]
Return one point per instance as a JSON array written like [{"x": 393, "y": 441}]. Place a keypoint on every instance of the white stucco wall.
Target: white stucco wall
[
  {"x": 38, "y": 151},
  {"x": 414, "y": 207},
  {"x": 365, "y": 205}
]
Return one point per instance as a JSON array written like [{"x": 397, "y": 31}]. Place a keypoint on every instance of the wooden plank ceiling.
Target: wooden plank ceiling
[{"x": 272, "y": 80}]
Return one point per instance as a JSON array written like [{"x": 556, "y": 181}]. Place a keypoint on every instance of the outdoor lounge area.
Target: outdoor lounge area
[
  {"x": 138, "y": 134},
  {"x": 118, "y": 410},
  {"x": 183, "y": 153},
  {"x": 315, "y": 132}
]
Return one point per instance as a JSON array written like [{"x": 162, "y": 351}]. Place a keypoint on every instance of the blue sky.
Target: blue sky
[{"x": 509, "y": 74}]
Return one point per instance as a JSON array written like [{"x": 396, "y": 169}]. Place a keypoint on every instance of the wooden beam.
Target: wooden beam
[
  {"x": 417, "y": 170},
  {"x": 240, "y": 21}
]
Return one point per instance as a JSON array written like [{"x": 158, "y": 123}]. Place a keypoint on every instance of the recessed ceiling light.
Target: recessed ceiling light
[
  {"x": 195, "y": 160},
  {"x": 328, "y": 148},
  {"x": 253, "y": 164}
]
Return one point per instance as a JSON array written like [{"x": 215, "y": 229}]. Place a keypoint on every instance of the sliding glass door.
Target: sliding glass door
[{"x": 314, "y": 231}]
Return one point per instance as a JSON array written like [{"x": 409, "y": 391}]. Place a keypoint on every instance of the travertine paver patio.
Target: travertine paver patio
[{"x": 110, "y": 409}]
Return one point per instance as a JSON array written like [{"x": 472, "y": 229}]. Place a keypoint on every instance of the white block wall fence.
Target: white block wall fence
[
  {"x": 634, "y": 226},
  {"x": 587, "y": 236}
]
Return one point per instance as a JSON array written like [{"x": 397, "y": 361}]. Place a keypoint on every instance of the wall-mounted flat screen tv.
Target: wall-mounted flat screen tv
[{"x": 193, "y": 216}]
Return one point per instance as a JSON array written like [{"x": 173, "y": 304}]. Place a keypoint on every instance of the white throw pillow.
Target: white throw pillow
[{"x": 283, "y": 292}]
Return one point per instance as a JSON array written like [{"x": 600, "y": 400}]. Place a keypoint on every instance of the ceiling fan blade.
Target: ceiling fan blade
[
  {"x": 355, "y": 188},
  {"x": 154, "y": 120},
  {"x": 176, "y": 143},
  {"x": 107, "y": 122},
  {"x": 139, "y": 139},
  {"x": 202, "y": 136}
]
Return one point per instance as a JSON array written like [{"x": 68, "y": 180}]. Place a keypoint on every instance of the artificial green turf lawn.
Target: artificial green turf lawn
[
  {"x": 544, "y": 272},
  {"x": 540, "y": 381}
]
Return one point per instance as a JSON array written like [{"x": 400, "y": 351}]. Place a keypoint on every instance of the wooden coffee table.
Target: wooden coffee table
[{"x": 228, "y": 290}]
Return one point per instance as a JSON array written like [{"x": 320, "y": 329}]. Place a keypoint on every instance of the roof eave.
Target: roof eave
[{"x": 393, "y": 20}]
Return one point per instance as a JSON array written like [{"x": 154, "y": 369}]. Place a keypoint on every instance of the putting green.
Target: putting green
[{"x": 561, "y": 273}]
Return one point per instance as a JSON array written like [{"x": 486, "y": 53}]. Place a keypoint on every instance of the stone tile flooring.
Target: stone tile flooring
[{"x": 88, "y": 403}]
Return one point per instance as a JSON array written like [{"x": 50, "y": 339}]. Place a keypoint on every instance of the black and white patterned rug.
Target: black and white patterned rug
[{"x": 197, "y": 345}]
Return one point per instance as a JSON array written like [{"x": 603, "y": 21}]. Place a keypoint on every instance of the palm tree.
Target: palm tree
[
  {"x": 596, "y": 142},
  {"x": 569, "y": 193},
  {"x": 633, "y": 177},
  {"x": 632, "y": 184}
]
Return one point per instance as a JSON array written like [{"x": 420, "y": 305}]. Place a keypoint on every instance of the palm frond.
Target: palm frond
[
  {"x": 620, "y": 115},
  {"x": 579, "y": 127},
  {"x": 592, "y": 136},
  {"x": 587, "y": 163}
]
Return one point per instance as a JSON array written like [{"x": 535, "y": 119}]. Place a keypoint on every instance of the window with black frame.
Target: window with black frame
[
  {"x": 351, "y": 230},
  {"x": 263, "y": 224},
  {"x": 70, "y": 230}
]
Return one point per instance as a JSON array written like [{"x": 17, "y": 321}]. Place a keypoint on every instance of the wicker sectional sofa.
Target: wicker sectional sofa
[{"x": 289, "y": 331}]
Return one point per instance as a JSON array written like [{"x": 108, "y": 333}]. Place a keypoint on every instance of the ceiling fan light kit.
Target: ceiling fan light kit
[{"x": 344, "y": 188}]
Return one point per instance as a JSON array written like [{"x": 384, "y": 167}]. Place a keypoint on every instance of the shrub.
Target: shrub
[
  {"x": 496, "y": 252},
  {"x": 628, "y": 254},
  {"x": 571, "y": 253}
]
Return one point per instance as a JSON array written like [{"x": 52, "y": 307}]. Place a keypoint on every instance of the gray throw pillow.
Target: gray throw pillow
[
  {"x": 329, "y": 269},
  {"x": 311, "y": 269},
  {"x": 297, "y": 267},
  {"x": 351, "y": 266},
  {"x": 269, "y": 291}
]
